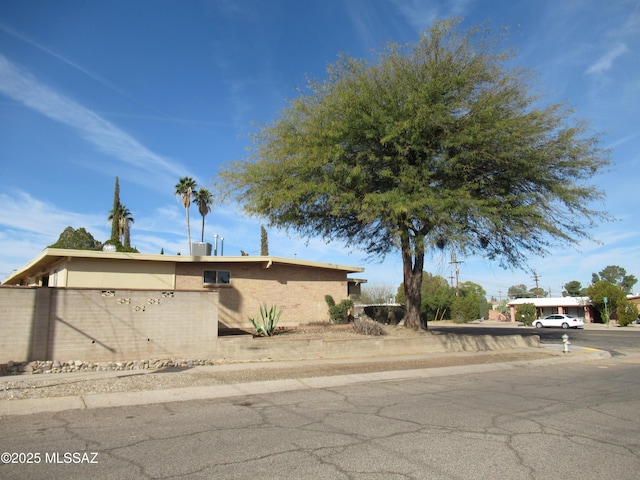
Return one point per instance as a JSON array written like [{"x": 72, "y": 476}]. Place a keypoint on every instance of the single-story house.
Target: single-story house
[
  {"x": 635, "y": 300},
  {"x": 242, "y": 283},
  {"x": 577, "y": 306}
]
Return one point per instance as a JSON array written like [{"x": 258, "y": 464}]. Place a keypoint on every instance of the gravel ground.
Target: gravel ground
[
  {"x": 88, "y": 383},
  {"x": 41, "y": 386}
]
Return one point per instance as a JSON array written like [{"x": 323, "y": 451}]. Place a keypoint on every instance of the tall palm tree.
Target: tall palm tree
[
  {"x": 185, "y": 189},
  {"x": 122, "y": 216},
  {"x": 126, "y": 219},
  {"x": 204, "y": 199}
]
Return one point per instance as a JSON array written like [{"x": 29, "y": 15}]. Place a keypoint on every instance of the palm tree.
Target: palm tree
[
  {"x": 115, "y": 219},
  {"x": 122, "y": 217},
  {"x": 126, "y": 219},
  {"x": 204, "y": 200},
  {"x": 185, "y": 188}
]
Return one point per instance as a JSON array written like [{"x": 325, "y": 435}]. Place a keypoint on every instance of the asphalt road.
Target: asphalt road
[
  {"x": 534, "y": 421},
  {"x": 613, "y": 339}
]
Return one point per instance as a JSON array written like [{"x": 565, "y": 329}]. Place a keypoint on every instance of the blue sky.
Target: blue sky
[{"x": 152, "y": 91}]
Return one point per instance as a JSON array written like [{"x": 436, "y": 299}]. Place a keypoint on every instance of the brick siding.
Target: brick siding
[{"x": 300, "y": 291}]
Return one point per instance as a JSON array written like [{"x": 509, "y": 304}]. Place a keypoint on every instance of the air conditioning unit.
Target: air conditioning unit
[{"x": 200, "y": 249}]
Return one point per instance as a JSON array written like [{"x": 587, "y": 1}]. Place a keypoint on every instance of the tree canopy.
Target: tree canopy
[
  {"x": 77, "y": 239},
  {"x": 471, "y": 304},
  {"x": 614, "y": 295},
  {"x": 264, "y": 241},
  {"x": 113, "y": 214},
  {"x": 617, "y": 276},
  {"x": 437, "y": 297},
  {"x": 437, "y": 144},
  {"x": 518, "y": 291},
  {"x": 574, "y": 289}
]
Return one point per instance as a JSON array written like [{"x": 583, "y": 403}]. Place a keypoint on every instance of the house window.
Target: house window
[{"x": 216, "y": 277}]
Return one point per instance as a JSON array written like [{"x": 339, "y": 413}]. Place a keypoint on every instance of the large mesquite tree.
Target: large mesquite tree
[{"x": 439, "y": 144}]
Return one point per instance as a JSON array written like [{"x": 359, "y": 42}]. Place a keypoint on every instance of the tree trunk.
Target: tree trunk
[
  {"x": 127, "y": 235},
  {"x": 188, "y": 230},
  {"x": 412, "y": 266}
]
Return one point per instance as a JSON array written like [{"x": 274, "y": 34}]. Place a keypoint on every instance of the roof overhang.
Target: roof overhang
[
  {"x": 50, "y": 256},
  {"x": 553, "y": 301}
]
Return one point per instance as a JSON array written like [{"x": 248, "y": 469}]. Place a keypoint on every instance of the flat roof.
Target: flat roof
[
  {"x": 52, "y": 255},
  {"x": 553, "y": 301}
]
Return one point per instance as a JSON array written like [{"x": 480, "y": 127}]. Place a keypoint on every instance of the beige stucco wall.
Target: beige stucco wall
[
  {"x": 106, "y": 325},
  {"x": 22, "y": 311},
  {"x": 123, "y": 274},
  {"x": 300, "y": 291}
]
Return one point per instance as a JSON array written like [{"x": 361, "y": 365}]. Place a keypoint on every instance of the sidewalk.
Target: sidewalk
[{"x": 235, "y": 380}]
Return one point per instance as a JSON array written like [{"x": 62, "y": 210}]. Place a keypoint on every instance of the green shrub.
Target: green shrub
[
  {"x": 526, "y": 313},
  {"x": 465, "y": 309},
  {"x": 330, "y": 301},
  {"x": 626, "y": 312},
  {"x": 366, "y": 326},
  {"x": 338, "y": 313},
  {"x": 385, "y": 314},
  {"x": 268, "y": 321}
]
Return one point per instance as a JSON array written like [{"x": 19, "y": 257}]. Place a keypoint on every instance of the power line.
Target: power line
[
  {"x": 455, "y": 262},
  {"x": 536, "y": 277}
]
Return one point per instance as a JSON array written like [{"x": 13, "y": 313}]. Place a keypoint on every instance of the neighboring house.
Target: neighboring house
[
  {"x": 635, "y": 300},
  {"x": 243, "y": 283},
  {"x": 577, "y": 306}
]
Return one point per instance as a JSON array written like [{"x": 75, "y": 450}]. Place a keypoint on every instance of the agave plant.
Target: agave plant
[{"x": 266, "y": 324}]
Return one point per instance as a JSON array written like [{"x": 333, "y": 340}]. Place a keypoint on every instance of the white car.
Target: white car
[{"x": 559, "y": 320}]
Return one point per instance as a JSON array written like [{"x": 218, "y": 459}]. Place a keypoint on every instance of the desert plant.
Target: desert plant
[
  {"x": 330, "y": 301},
  {"x": 338, "y": 313},
  {"x": 366, "y": 326},
  {"x": 266, "y": 324}
]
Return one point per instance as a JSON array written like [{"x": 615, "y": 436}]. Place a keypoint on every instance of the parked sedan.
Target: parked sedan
[{"x": 559, "y": 320}]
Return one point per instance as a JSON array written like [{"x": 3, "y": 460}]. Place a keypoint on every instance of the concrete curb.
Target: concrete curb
[
  {"x": 248, "y": 348},
  {"x": 123, "y": 399}
]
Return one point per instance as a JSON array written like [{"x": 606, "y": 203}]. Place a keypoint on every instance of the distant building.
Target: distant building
[
  {"x": 635, "y": 299},
  {"x": 577, "y": 306}
]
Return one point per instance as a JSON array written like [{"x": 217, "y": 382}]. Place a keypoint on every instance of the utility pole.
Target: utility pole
[
  {"x": 455, "y": 262},
  {"x": 536, "y": 278}
]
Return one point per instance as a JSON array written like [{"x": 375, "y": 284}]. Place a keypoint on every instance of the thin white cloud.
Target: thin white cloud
[
  {"x": 28, "y": 225},
  {"x": 605, "y": 62},
  {"x": 20, "y": 211},
  {"x": 421, "y": 14},
  {"x": 621, "y": 141},
  {"x": 102, "y": 81},
  {"x": 106, "y": 137},
  {"x": 20, "y": 36},
  {"x": 363, "y": 20}
]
